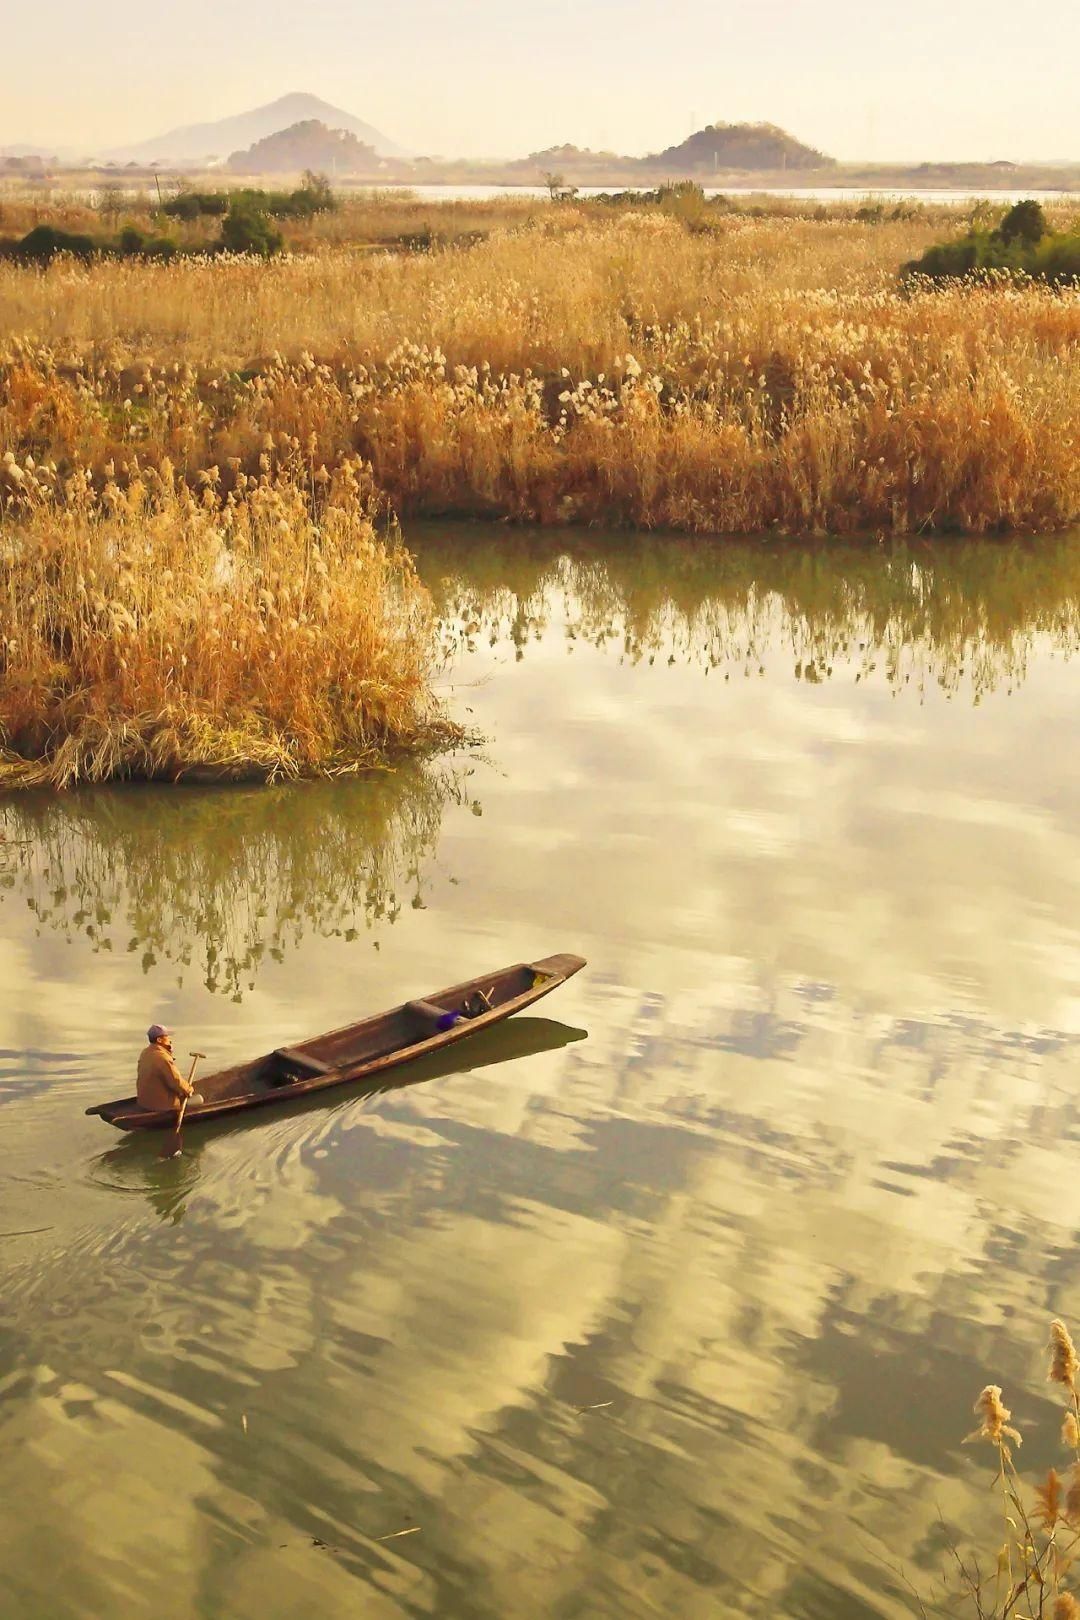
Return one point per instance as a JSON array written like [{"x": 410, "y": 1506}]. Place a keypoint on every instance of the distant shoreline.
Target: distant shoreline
[{"x": 966, "y": 179}]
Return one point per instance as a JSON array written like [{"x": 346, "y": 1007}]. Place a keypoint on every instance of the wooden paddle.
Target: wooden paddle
[
  {"x": 173, "y": 1145},
  {"x": 481, "y": 996}
]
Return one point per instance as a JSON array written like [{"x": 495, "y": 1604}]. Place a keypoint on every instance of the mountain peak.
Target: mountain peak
[
  {"x": 194, "y": 143},
  {"x": 297, "y": 104}
]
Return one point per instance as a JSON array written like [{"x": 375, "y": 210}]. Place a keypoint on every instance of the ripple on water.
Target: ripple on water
[{"x": 31, "y": 1072}]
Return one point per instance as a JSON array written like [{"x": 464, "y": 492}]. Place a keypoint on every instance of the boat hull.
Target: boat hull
[{"x": 360, "y": 1051}]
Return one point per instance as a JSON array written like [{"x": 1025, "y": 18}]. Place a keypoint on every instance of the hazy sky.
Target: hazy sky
[{"x": 859, "y": 78}]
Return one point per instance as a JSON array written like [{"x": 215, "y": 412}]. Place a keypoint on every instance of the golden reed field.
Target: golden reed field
[
  {"x": 559, "y": 364},
  {"x": 762, "y": 374}
]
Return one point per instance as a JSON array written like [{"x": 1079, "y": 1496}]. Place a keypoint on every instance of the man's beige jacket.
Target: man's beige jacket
[{"x": 160, "y": 1083}]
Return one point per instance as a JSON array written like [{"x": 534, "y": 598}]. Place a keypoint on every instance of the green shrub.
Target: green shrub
[
  {"x": 944, "y": 259},
  {"x": 316, "y": 195},
  {"x": 133, "y": 244},
  {"x": 1057, "y": 258},
  {"x": 192, "y": 205},
  {"x": 1025, "y": 222},
  {"x": 247, "y": 229},
  {"x": 681, "y": 196},
  {"x": 44, "y": 243},
  {"x": 313, "y": 197},
  {"x": 1020, "y": 245}
]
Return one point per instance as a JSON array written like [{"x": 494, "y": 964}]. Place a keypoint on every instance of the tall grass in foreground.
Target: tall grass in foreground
[
  {"x": 766, "y": 375},
  {"x": 1040, "y": 1529},
  {"x": 157, "y": 629}
]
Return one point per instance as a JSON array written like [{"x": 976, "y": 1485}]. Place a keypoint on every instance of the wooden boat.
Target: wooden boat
[{"x": 359, "y": 1051}]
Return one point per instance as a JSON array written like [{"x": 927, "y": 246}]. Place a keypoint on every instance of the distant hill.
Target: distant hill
[
  {"x": 575, "y": 160},
  {"x": 17, "y": 163},
  {"x": 198, "y": 142},
  {"x": 47, "y": 154},
  {"x": 309, "y": 145},
  {"x": 570, "y": 154},
  {"x": 722, "y": 147}
]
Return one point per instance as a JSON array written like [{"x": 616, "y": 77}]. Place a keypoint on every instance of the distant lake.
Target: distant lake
[
  {"x": 486, "y": 193},
  {"x": 799, "y": 193}
]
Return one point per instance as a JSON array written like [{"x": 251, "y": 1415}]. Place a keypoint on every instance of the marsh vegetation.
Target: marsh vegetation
[
  {"x": 234, "y": 423},
  {"x": 158, "y": 628},
  {"x": 760, "y": 375},
  {"x": 1030, "y": 1572}
]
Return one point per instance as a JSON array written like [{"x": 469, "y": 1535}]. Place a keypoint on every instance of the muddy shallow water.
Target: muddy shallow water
[{"x": 671, "y": 1298}]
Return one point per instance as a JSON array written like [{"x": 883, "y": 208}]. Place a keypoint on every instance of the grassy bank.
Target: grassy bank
[
  {"x": 159, "y": 630},
  {"x": 385, "y": 219},
  {"x": 634, "y": 368}
]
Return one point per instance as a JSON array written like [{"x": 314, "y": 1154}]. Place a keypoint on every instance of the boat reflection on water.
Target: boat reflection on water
[{"x": 137, "y": 1161}]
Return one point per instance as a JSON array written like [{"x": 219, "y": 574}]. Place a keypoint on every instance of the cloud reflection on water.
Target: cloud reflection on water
[{"x": 686, "y": 1318}]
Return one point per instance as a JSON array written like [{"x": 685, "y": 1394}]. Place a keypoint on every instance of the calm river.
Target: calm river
[{"x": 671, "y": 1299}]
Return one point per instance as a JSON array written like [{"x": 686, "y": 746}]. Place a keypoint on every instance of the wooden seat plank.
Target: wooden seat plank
[{"x": 303, "y": 1060}]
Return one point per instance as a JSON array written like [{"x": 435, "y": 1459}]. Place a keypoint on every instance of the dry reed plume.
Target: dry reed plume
[
  {"x": 154, "y": 629},
  {"x": 1040, "y": 1531},
  {"x": 761, "y": 374}
]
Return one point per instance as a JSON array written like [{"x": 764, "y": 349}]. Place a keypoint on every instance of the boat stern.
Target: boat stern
[{"x": 563, "y": 966}]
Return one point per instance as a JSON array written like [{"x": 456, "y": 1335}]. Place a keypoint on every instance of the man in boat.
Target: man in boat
[{"x": 160, "y": 1084}]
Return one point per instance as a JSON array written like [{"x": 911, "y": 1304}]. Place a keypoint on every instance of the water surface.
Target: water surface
[
  {"x": 487, "y": 193},
  {"x": 669, "y": 1299},
  {"x": 825, "y": 194}
]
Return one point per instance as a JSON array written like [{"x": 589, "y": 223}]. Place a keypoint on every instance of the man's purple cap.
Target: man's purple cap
[{"x": 156, "y": 1031}]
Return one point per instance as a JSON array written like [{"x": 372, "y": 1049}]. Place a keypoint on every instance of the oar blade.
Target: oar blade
[{"x": 173, "y": 1145}]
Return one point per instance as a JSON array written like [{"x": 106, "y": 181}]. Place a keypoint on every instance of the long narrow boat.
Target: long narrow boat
[{"x": 370, "y": 1047}]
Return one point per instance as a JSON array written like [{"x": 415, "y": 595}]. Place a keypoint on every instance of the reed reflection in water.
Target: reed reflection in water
[
  {"x": 223, "y": 878},
  {"x": 686, "y": 1317},
  {"x": 961, "y": 615}
]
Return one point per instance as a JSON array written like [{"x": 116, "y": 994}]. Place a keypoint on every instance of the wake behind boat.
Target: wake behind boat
[{"x": 370, "y": 1047}]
